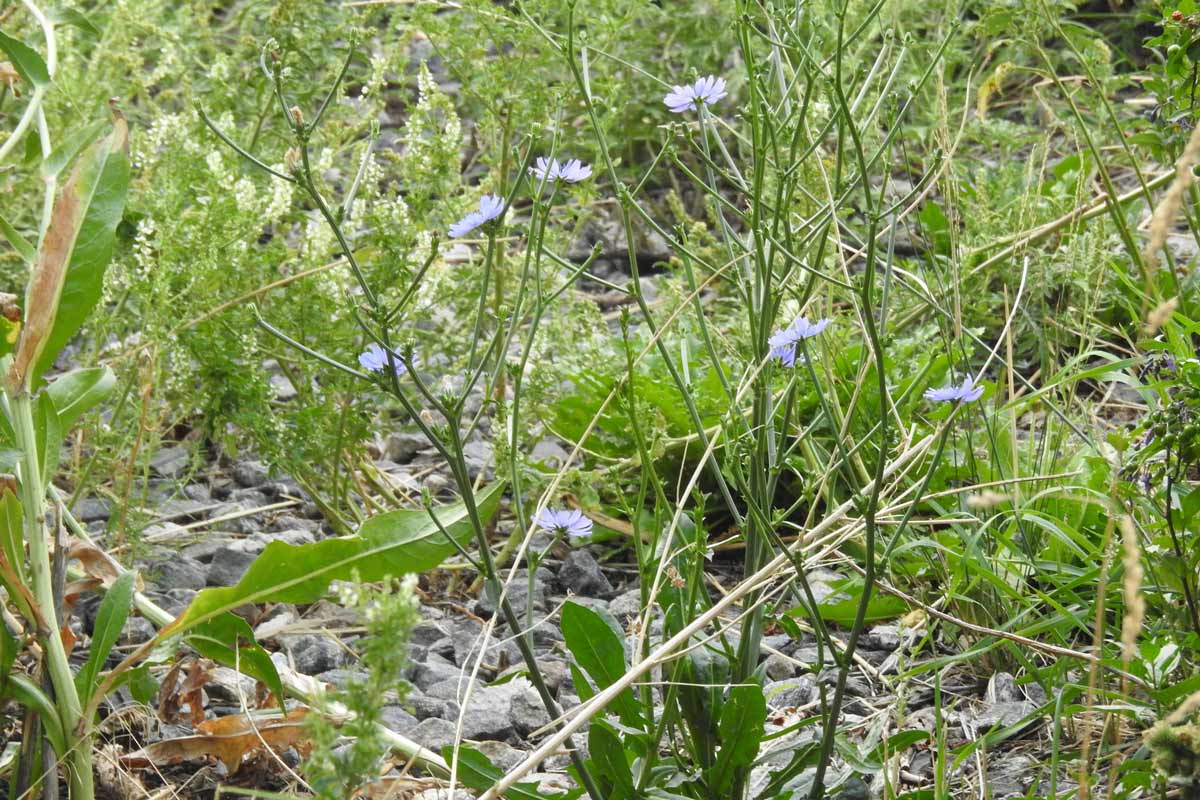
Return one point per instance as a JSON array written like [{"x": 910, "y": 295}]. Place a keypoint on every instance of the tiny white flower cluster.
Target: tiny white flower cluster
[
  {"x": 220, "y": 69},
  {"x": 379, "y": 65},
  {"x": 433, "y": 133},
  {"x": 245, "y": 195},
  {"x": 281, "y": 198},
  {"x": 170, "y": 133},
  {"x": 144, "y": 258}
]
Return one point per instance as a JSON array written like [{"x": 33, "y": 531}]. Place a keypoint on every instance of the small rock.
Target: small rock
[
  {"x": 283, "y": 388},
  {"x": 92, "y": 509},
  {"x": 228, "y": 566},
  {"x": 314, "y": 654},
  {"x": 401, "y": 447},
  {"x": 791, "y": 693},
  {"x": 433, "y": 672},
  {"x": 489, "y": 712},
  {"x": 170, "y": 462},
  {"x": 503, "y": 756},
  {"x": 251, "y": 474},
  {"x": 137, "y": 630},
  {"x": 881, "y": 637},
  {"x": 779, "y": 667},
  {"x": 229, "y": 686},
  {"x": 527, "y": 711},
  {"x": 518, "y": 597},
  {"x": 198, "y": 492},
  {"x": 581, "y": 574},
  {"x": 478, "y": 455},
  {"x": 1010, "y": 775},
  {"x": 341, "y": 678},
  {"x": 433, "y": 733},
  {"x": 206, "y": 549},
  {"x": 397, "y": 720},
  {"x": 427, "y": 632},
  {"x": 549, "y": 453},
  {"x": 177, "y": 572},
  {"x": 423, "y": 707},
  {"x": 1003, "y": 715},
  {"x": 627, "y": 605}
]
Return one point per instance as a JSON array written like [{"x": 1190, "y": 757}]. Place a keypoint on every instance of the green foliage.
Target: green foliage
[{"x": 388, "y": 612}]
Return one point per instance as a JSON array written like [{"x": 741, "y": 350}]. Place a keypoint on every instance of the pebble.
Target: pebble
[
  {"x": 228, "y": 566},
  {"x": 170, "y": 462},
  {"x": 314, "y": 654},
  {"x": 580, "y": 573},
  {"x": 251, "y": 474}
]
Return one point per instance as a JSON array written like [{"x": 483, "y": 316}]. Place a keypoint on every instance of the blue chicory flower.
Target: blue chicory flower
[
  {"x": 549, "y": 170},
  {"x": 966, "y": 392},
  {"x": 490, "y": 207},
  {"x": 572, "y": 522},
  {"x": 707, "y": 90},
  {"x": 783, "y": 342},
  {"x": 375, "y": 359}
]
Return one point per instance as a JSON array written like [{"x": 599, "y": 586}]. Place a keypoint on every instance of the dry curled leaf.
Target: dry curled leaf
[
  {"x": 227, "y": 739},
  {"x": 95, "y": 562},
  {"x": 174, "y": 694}
]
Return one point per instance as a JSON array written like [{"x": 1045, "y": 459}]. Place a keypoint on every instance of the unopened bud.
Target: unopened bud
[
  {"x": 297, "y": 116},
  {"x": 291, "y": 159}
]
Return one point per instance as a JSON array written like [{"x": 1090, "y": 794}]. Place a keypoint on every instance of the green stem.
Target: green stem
[{"x": 33, "y": 501}]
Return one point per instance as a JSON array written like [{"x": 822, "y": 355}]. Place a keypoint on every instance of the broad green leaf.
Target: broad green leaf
[
  {"x": 78, "y": 243},
  {"x": 583, "y": 686},
  {"x": 598, "y": 649},
  {"x": 391, "y": 544},
  {"x": 477, "y": 772},
  {"x": 25, "y": 60},
  {"x": 110, "y": 619},
  {"x": 608, "y": 756},
  {"x": 19, "y": 243},
  {"x": 79, "y": 391},
  {"x": 740, "y": 730},
  {"x": 228, "y": 639},
  {"x": 70, "y": 147},
  {"x": 842, "y": 611}
]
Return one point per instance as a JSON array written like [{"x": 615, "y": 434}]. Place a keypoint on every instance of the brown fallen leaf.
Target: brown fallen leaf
[
  {"x": 174, "y": 694},
  {"x": 228, "y": 739}
]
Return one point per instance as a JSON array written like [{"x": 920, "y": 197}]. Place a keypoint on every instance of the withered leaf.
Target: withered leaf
[{"x": 228, "y": 739}]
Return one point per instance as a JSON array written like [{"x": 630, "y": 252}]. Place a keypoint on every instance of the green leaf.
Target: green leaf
[
  {"x": 66, "y": 280},
  {"x": 69, "y": 148},
  {"x": 12, "y": 533},
  {"x": 70, "y": 16},
  {"x": 600, "y": 652},
  {"x": 228, "y": 639},
  {"x": 477, "y": 772},
  {"x": 79, "y": 391},
  {"x": 49, "y": 435},
  {"x": 391, "y": 544},
  {"x": 740, "y": 731},
  {"x": 8, "y": 652},
  {"x": 110, "y": 619},
  {"x": 604, "y": 747},
  {"x": 141, "y": 683},
  {"x": 25, "y": 60},
  {"x": 842, "y": 611},
  {"x": 19, "y": 243}
]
